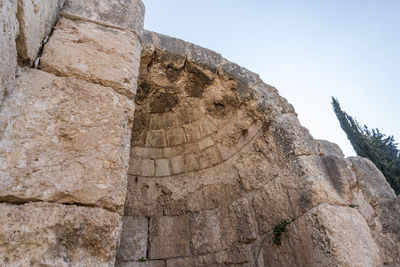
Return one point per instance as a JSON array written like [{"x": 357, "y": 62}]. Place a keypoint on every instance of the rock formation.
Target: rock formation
[{"x": 133, "y": 148}]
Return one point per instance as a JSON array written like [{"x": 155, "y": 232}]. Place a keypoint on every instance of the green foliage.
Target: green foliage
[
  {"x": 142, "y": 259},
  {"x": 372, "y": 144},
  {"x": 279, "y": 229}
]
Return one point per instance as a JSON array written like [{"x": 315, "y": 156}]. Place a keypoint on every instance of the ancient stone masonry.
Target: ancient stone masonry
[
  {"x": 65, "y": 130},
  {"x": 133, "y": 148},
  {"x": 218, "y": 158}
]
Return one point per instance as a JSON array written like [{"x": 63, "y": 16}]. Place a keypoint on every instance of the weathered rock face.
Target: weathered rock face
[
  {"x": 8, "y": 52},
  {"x": 64, "y": 138},
  {"x": 218, "y": 159},
  {"x": 44, "y": 234},
  {"x": 213, "y": 160},
  {"x": 37, "y": 18}
]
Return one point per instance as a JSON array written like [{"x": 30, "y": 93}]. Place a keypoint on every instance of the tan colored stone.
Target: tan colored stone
[
  {"x": 374, "y": 185},
  {"x": 64, "y": 140},
  {"x": 37, "y": 18},
  {"x": 327, "y": 148},
  {"x": 177, "y": 164},
  {"x": 8, "y": 51},
  {"x": 175, "y": 136},
  {"x": 127, "y": 14},
  {"x": 134, "y": 239},
  {"x": 44, "y": 234},
  {"x": 94, "y": 53},
  {"x": 169, "y": 237},
  {"x": 325, "y": 236},
  {"x": 162, "y": 167},
  {"x": 141, "y": 264},
  {"x": 144, "y": 197},
  {"x": 156, "y": 139}
]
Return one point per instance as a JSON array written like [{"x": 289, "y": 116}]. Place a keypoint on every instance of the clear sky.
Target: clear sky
[{"x": 309, "y": 50}]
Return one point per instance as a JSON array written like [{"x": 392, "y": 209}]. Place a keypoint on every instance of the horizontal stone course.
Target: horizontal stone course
[
  {"x": 50, "y": 234},
  {"x": 64, "y": 140},
  {"x": 94, "y": 53}
]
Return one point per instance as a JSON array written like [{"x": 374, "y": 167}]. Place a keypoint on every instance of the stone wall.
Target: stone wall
[
  {"x": 218, "y": 159},
  {"x": 211, "y": 162},
  {"x": 65, "y": 129}
]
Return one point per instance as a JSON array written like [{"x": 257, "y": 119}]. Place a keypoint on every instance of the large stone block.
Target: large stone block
[
  {"x": 169, "y": 237},
  {"x": 372, "y": 182},
  {"x": 123, "y": 14},
  {"x": 44, "y": 234},
  {"x": 8, "y": 51},
  {"x": 64, "y": 140},
  {"x": 36, "y": 18},
  {"x": 327, "y": 235},
  {"x": 134, "y": 239},
  {"x": 94, "y": 53}
]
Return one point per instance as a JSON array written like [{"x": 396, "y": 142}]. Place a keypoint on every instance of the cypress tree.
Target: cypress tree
[{"x": 372, "y": 144}]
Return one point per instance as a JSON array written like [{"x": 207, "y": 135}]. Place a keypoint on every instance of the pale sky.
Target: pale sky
[{"x": 309, "y": 50}]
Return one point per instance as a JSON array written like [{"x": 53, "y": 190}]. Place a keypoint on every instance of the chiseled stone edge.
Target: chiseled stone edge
[{"x": 137, "y": 30}]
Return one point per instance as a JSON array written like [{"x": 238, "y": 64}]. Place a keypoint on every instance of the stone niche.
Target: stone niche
[{"x": 218, "y": 159}]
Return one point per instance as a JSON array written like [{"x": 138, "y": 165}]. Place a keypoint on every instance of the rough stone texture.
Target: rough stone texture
[
  {"x": 94, "y": 53},
  {"x": 141, "y": 264},
  {"x": 218, "y": 159},
  {"x": 9, "y": 29},
  {"x": 325, "y": 236},
  {"x": 169, "y": 237},
  {"x": 327, "y": 148},
  {"x": 134, "y": 239},
  {"x": 36, "y": 20},
  {"x": 64, "y": 140},
  {"x": 124, "y": 14},
  {"x": 43, "y": 234}
]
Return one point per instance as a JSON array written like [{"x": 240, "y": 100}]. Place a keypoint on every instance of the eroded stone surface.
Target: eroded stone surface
[
  {"x": 327, "y": 235},
  {"x": 169, "y": 237},
  {"x": 126, "y": 14},
  {"x": 134, "y": 239},
  {"x": 8, "y": 53},
  {"x": 37, "y": 18},
  {"x": 43, "y": 234},
  {"x": 94, "y": 53},
  {"x": 214, "y": 144},
  {"x": 64, "y": 140}
]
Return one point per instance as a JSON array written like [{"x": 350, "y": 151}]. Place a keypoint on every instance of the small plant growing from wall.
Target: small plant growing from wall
[
  {"x": 142, "y": 259},
  {"x": 279, "y": 229}
]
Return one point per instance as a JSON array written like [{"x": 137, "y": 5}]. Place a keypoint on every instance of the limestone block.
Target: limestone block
[
  {"x": 340, "y": 172},
  {"x": 177, "y": 164},
  {"x": 294, "y": 138},
  {"x": 372, "y": 182},
  {"x": 37, "y": 18},
  {"x": 327, "y": 148},
  {"x": 234, "y": 256},
  {"x": 8, "y": 51},
  {"x": 50, "y": 234},
  {"x": 144, "y": 197},
  {"x": 134, "y": 239},
  {"x": 94, "y": 53},
  {"x": 216, "y": 230},
  {"x": 123, "y": 14},
  {"x": 147, "y": 263},
  {"x": 169, "y": 237},
  {"x": 156, "y": 138},
  {"x": 175, "y": 136},
  {"x": 162, "y": 167},
  {"x": 325, "y": 236},
  {"x": 64, "y": 140},
  {"x": 141, "y": 167}
]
